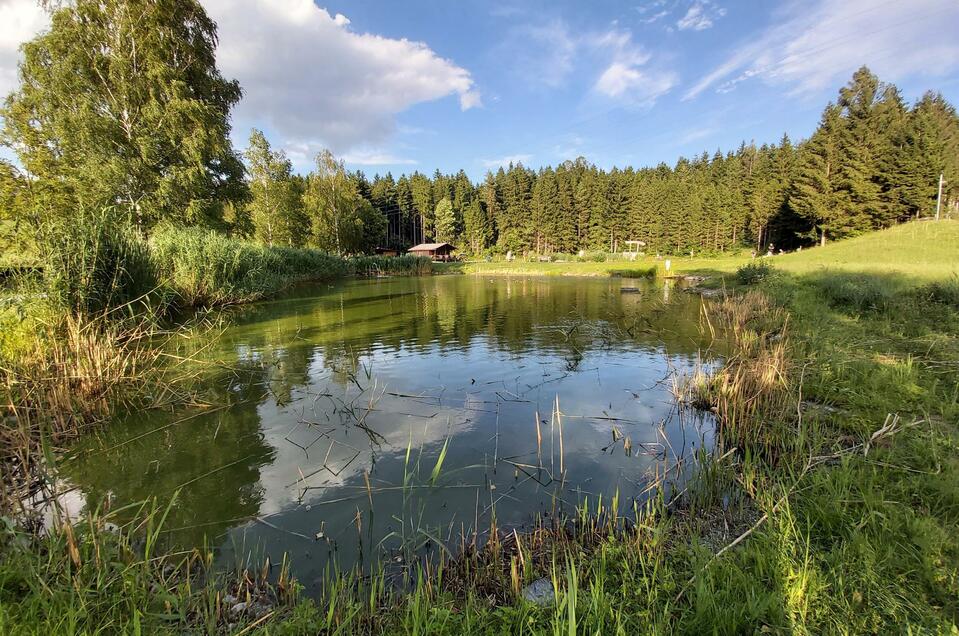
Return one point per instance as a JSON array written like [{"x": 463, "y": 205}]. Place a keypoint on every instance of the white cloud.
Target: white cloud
[
  {"x": 627, "y": 76},
  {"x": 695, "y": 134},
  {"x": 810, "y": 49},
  {"x": 570, "y": 147},
  {"x": 306, "y": 75},
  {"x": 700, "y": 16},
  {"x": 20, "y": 20},
  {"x": 376, "y": 158},
  {"x": 505, "y": 161},
  {"x": 655, "y": 17},
  {"x": 543, "y": 54},
  {"x": 548, "y": 54}
]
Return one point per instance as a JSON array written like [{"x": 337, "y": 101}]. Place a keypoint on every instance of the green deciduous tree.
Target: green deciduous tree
[
  {"x": 120, "y": 104},
  {"x": 275, "y": 209}
]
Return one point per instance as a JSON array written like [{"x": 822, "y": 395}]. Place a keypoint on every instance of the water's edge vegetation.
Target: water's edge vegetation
[
  {"x": 831, "y": 504},
  {"x": 128, "y": 221}
]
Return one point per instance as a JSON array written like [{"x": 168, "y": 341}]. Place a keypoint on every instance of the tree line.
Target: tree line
[{"x": 120, "y": 106}]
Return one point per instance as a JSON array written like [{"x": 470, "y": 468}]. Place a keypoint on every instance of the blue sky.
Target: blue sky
[{"x": 420, "y": 85}]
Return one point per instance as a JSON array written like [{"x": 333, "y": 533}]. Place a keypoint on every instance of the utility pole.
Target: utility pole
[{"x": 939, "y": 197}]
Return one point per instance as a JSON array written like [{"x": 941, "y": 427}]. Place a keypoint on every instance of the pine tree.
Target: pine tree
[
  {"x": 815, "y": 193},
  {"x": 446, "y": 226},
  {"x": 478, "y": 230}
]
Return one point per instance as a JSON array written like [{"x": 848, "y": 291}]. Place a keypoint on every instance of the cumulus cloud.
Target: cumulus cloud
[
  {"x": 809, "y": 49},
  {"x": 505, "y": 161},
  {"x": 20, "y": 20},
  {"x": 308, "y": 76}
]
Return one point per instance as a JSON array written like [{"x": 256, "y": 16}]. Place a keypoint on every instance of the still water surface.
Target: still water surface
[{"x": 339, "y": 402}]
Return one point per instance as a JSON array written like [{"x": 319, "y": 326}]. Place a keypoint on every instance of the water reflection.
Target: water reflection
[{"x": 386, "y": 417}]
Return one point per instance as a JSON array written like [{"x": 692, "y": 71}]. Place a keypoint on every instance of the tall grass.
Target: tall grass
[
  {"x": 206, "y": 268},
  {"x": 95, "y": 263},
  {"x": 100, "y": 574},
  {"x": 752, "y": 393}
]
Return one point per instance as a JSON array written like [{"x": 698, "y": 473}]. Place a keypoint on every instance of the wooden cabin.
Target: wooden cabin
[
  {"x": 387, "y": 251},
  {"x": 435, "y": 251}
]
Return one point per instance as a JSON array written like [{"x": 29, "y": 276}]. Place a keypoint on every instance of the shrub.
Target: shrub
[
  {"x": 406, "y": 265},
  {"x": 593, "y": 257},
  {"x": 752, "y": 273}
]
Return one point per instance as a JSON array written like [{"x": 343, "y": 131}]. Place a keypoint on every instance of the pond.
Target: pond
[{"x": 381, "y": 420}]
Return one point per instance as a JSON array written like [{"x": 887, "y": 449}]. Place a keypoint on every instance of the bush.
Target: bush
[
  {"x": 752, "y": 273},
  {"x": 593, "y": 257},
  {"x": 406, "y": 265},
  {"x": 856, "y": 293}
]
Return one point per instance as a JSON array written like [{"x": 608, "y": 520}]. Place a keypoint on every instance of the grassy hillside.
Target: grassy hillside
[{"x": 926, "y": 250}]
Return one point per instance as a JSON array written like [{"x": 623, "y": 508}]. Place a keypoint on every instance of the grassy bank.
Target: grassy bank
[
  {"x": 606, "y": 268},
  {"x": 82, "y": 333},
  {"x": 831, "y": 507}
]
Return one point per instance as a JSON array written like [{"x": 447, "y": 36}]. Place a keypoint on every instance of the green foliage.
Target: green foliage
[
  {"x": 446, "y": 222},
  {"x": 342, "y": 221},
  {"x": 275, "y": 211},
  {"x": 207, "y": 268},
  {"x": 754, "y": 272},
  {"x": 406, "y": 265},
  {"x": 121, "y": 103},
  {"x": 643, "y": 272},
  {"x": 95, "y": 263}
]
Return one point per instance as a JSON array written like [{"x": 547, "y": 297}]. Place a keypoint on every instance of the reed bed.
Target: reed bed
[
  {"x": 77, "y": 371},
  {"x": 753, "y": 393}
]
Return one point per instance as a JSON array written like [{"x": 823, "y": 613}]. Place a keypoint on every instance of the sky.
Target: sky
[{"x": 468, "y": 84}]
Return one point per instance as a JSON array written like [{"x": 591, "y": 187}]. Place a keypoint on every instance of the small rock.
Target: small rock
[
  {"x": 239, "y": 608},
  {"x": 540, "y": 592}
]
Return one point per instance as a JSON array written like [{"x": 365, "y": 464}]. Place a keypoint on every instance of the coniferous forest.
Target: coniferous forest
[{"x": 872, "y": 162}]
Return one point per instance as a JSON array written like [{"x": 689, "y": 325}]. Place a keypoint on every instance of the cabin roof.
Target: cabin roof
[{"x": 428, "y": 247}]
